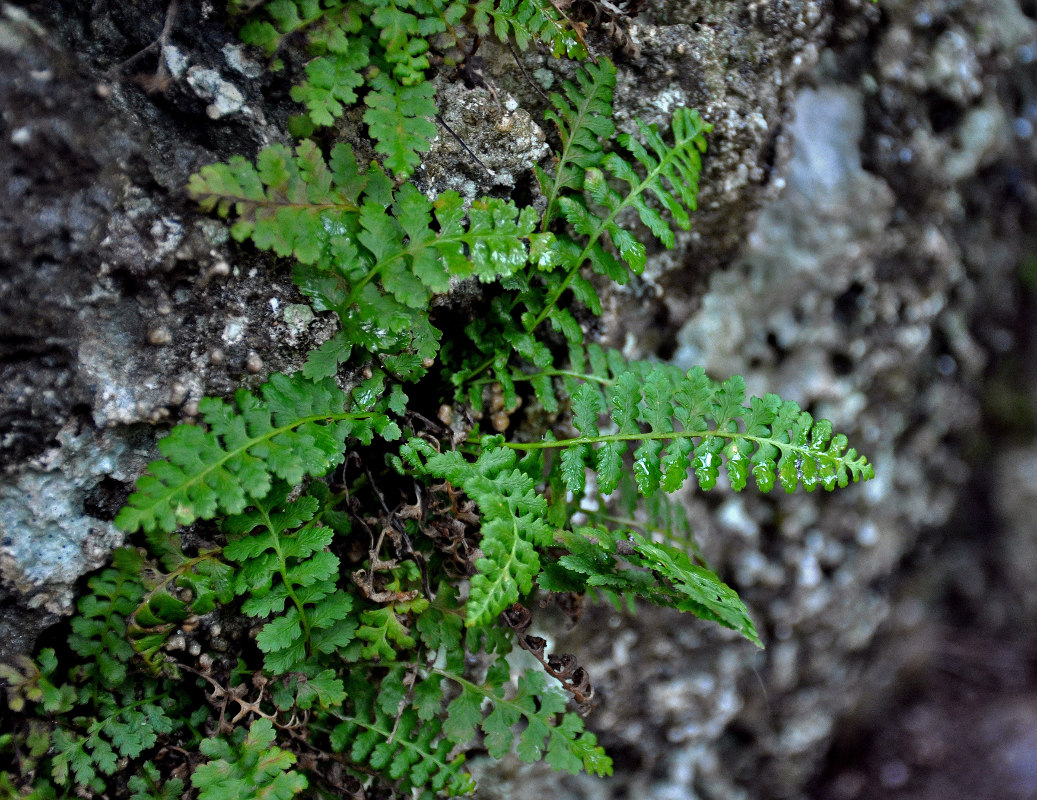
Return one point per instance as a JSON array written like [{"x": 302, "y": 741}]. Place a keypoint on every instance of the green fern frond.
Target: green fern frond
[
  {"x": 325, "y": 22},
  {"x": 290, "y": 203},
  {"x": 284, "y": 563},
  {"x": 148, "y": 785},
  {"x": 331, "y": 83},
  {"x": 528, "y": 21},
  {"x": 550, "y": 733},
  {"x": 296, "y": 428},
  {"x": 404, "y": 27},
  {"x": 398, "y": 118},
  {"x": 398, "y": 743},
  {"x": 669, "y": 173},
  {"x": 377, "y": 271},
  {"x": 247, "y": 765},
  {"x": 685, "y": 421},
  {"x": 379, "y": 49},
  {"x": 583, "y": 117},
  {"x": 99, "y": 629},
  {"x": 512, "y": 525},
  {"x": 667, "y": 577}
]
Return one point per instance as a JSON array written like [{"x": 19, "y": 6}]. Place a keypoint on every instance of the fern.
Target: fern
[
  {"x": 593, "y": 207},
  {"x": 298, "y": 428},
  {"x": 583, "y": 117},
  {"x": 100, "y": 716},
  {"x": 669, "y": 577},
  {"x": 549, "y": 733},
  {"x": 380, "y": 48},
  {"x": 688, "y": 421},
  {"x": 512, "y": 526},
  {"x": 360, "y": 262},
  {"x": 99, "y": 630},
  {"x": 581, "y": 191},
  {"x": 407, "y": 749},
  {"x": 372, "y": 612},
  {"x": 528, "y": 21},
  {"x": 148, "y": 785},
  {"x": 248, "y": 765},
  {"x": 398, "y": 119},
  {"x": 383, "y": 45},
  {"x": 284, "y": 561}
]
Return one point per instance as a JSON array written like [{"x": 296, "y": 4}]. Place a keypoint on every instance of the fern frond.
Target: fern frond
[
  {"x": 247, "y": 765},
  {"x": 512, "y": 526},
  {"x": 529, "y": 21},
  {"x": 668, "y": 576},
  {"x": 285, "y": 563},
  {"x": 550, "y": 732},
  {"x": 583, "y": 117},
  {"x": 398, "y": 118},
  {"x": 669, "y": 173},
  {"x": 403, "y": 32},
  {"x": 398, "y": 744},
  {"x": 148, "y": 785},
  {"x": 296, "y": 428},
  {"x": 377, "y": 271},
  {"x": 380, "y": 45},
  {"x": 325, "y": 22},
  {"x": 289, "y": 203},
  {"x": 101, "y": 721},
  {"x": 688, "y": 421},
  {"x": 99, "y": 629},
  {"x": 331, "y": 83}
]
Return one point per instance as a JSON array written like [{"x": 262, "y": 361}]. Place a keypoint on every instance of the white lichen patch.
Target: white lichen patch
[
  {"x": 208, "y": 84},
  {"x": 46, "y": 539}
]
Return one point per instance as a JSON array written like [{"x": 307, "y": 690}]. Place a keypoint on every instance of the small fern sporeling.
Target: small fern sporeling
[{"x": 332, "y": 576}]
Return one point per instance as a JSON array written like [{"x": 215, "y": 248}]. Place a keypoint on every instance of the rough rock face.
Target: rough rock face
[
  {"x": 120, "y": 306},
  {"x": 892, "y": 150}
]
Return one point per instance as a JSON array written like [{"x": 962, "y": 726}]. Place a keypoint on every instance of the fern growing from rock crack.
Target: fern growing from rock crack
[{"x": 342, "y": 608}]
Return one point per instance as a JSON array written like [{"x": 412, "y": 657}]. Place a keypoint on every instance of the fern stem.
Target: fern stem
[
  {"x": 550, "y": 373},
  {"x": 662, "y": 436}
]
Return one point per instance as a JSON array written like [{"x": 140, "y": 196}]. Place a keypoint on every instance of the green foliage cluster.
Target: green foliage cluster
[
  {"x": 382, "y": 50},
  {"x": 330, "y": 587}
]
